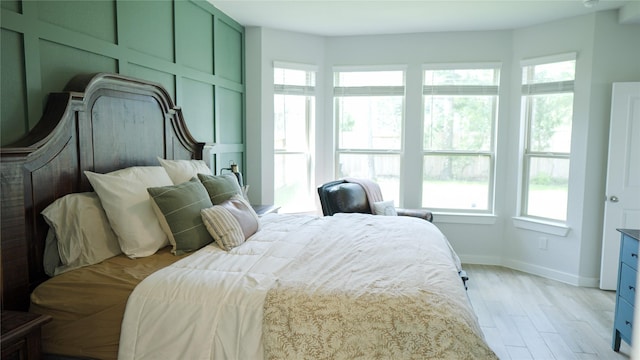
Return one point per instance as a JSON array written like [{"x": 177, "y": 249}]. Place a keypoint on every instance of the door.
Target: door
[{"x": 622, "y": 204}]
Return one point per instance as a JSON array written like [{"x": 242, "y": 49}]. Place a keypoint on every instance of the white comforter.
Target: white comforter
[{"x": 210, "y": 305}]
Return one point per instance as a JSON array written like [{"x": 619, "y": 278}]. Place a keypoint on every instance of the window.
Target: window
[
  {"x": 460, "y": 109},
  {"x": 369, "y": 112},
  {"x": 547, "y": 113},
  {"x": 294, "y": 116}
]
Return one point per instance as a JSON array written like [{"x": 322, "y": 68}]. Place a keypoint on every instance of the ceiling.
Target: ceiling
[{"x": 363, "y": 17}]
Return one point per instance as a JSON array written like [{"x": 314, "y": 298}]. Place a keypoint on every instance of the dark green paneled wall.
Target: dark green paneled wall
[{"x": 191, "y": 48}]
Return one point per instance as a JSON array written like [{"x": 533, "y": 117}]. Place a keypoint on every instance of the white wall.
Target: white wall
[
  {"x": 574, "y": 258},
  {"x": 561, "y": 257},
  {"x": 601, "y": 44},
  {"x": 614, "y": 60}
]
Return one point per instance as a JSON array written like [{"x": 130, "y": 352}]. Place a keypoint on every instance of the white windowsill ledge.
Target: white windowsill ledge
[
  {"x": 461, "y": 218},
  {"x": 547, "y": 227}
]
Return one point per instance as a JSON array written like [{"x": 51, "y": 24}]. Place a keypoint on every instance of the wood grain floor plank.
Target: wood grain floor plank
[
  {"x": 558, "y": 346},
  {"x": 520, "y": 353},
  {"x": 505, "y": 325},
  {"x": 535, "y": 343},
  {"x": 525, "y": 316},
  {"x": 492, "y": 335}
]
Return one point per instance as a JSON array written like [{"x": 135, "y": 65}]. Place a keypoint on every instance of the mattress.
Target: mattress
[
  {"x": 87, "y": 304},
  {"x": 338, "y": 287}
]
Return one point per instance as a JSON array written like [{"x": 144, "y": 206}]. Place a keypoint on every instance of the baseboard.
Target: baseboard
[
  {"x": 552, "y": 274},
  {"x": 545, "y": 272},
  {"x": 480, "y": 260}
]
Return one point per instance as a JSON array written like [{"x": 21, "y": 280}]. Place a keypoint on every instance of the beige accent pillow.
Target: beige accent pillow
[
  {"x": 82, "y": 232},
  {"x": 231, "y": 223},
  {"x": 127, "y": 203},
  {"x": 181, "y": 171},
  {"x": 385, "y": 208}
]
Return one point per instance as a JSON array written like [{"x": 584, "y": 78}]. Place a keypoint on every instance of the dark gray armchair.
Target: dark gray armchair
[{"x": 341, "y": 196}]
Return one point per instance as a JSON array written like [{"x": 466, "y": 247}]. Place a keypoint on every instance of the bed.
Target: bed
[{"x": 274, "y": 287}]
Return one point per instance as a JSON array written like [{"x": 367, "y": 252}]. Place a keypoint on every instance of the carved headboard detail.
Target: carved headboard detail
[{"x": 100, "y": 122}]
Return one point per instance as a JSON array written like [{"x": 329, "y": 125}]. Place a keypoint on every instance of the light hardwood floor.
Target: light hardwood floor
[{"x": 529, "y": 317}]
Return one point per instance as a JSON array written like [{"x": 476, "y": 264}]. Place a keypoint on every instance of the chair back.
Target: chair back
[{"x": 340, "y": 196}]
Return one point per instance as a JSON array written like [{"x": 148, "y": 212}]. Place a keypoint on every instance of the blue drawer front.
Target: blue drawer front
[
  {"x": 627, "y": 289},
  {"x": 629, "y": 253},
  {"x": 624, "y": 319}
]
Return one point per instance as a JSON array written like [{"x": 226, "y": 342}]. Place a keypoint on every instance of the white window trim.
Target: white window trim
[
  {"x": 523, "y": 221},
  {"x": 295, "y": 66},
  {"x": 365, "y": 91},
  {"x": 541, "y": 226},
  {"x": 343, "y": 91},
  {"x": 367, "y": 68},
  {"x": 548, "y": 59},
  {"x": 307, "y": 91},
  {"x": 461, "y": 66},
  {"x": 466, "y": 216}
]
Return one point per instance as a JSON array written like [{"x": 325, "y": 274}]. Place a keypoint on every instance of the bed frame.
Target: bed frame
[{"x": 100, "y": 122}]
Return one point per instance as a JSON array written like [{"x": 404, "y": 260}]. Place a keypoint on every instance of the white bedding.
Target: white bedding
[{"x": 210, "y": 305}]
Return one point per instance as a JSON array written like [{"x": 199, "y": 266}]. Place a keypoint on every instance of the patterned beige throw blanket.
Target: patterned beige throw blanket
[{"x": 373, "y": 289}]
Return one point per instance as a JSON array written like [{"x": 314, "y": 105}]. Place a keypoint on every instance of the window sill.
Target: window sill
[
  {"x": 547, "y": 227},
  {"x": 462, "y": 218}
]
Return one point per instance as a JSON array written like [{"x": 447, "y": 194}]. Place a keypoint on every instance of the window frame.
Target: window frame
[
  {"x": 466, "y": 90},
  {"x": 527, "y": 94},
  {"x": 369, "y": 91},
  {"x": 310, "y": 93}
]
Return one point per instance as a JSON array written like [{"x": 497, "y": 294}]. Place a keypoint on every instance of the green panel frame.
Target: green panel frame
[
  {"x": 229, "y": 116},
  {"x": 80, "y": 16},
  {"x": 64, "y": 62},
  {"x": 147, "y": 26},
  {"x": 13, "y": 118},
  {"x": 11, "y": 5},
  {"x": 194, "y": 35},
  {"x": 198, "y": 109},
  {"x": 167, "y": 80},
  {"x": 195, "y": 51},
  {"x": 229, "y": 52}
]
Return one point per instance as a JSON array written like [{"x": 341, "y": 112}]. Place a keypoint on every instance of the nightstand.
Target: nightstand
[
  {"x": 265, "y": 209},
  {"x": 21, "y": 335}
]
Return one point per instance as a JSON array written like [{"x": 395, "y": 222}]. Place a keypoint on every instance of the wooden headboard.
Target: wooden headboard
[{"x": 100, "y": 122}]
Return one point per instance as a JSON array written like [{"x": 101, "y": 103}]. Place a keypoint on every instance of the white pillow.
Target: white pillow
[
  {"x": 125, "y": 199},
  {"x": 181, "y": 171},
  {"x": 385, "y": 208},
  {"x": 82, "y": 232}
]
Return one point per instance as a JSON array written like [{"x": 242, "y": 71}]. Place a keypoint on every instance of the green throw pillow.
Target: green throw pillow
[
  {"x": 220, "y": 187},
  {"x": 178, "y": 210}
]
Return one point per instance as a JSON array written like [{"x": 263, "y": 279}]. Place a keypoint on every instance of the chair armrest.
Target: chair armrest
[{"x": 419, "y": 213}]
